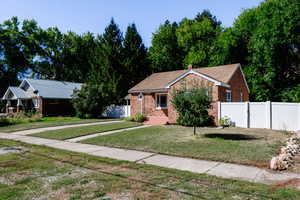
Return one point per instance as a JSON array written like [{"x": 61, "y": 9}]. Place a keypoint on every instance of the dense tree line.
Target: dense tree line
[
  {"x": 111, "y": 60},
  {"x": 265, "y": 40}
]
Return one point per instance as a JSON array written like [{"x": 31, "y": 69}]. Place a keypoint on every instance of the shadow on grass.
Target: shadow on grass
[{"x": 231, "y": 136}]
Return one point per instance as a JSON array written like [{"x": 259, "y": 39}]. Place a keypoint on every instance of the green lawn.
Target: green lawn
[
  {"x": 47, "y": 122},
  {"x": 234, "y": 145},
  {"x": 68, "y": 133},
  {"x": 46, "y": 173}
]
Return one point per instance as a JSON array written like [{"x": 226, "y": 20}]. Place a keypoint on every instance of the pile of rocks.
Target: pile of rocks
[{"x": 285, "y": 158}]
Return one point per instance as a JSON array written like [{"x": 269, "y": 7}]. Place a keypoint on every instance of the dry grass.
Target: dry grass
[
  {"x": 46, "y": 173},
  {"x": 236, "y": 145}
]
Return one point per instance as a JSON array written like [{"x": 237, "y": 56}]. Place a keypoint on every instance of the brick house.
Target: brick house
[
  {"x": 153, "y": 96},
  {"x": 47, "y": 97}
]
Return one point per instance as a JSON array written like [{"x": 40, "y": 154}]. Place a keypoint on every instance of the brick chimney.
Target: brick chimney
[{"x": 190, "y": 66}]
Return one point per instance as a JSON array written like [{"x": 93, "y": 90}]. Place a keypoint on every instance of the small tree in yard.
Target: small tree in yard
[
  {"x": 91, "y": 100},
  {"x": 192, "y": 106}
]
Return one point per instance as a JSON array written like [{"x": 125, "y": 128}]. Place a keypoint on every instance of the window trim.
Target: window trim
[
  {"x": 157, "y": 96},
  {"x": 37, "y": 103},
  {"x": 226, "y": 95},
  {"x": 140, "y": 96}
]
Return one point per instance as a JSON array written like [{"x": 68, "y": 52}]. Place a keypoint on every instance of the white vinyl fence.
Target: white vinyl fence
[
  {"x": 117, "y": 111},
  {"x": 270, "y": 115}
]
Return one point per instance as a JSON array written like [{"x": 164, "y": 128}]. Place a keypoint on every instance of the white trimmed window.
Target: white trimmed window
[
  {"x": 161, "y": 101},
  {"x": 35, "y": 103},
  {"x": 228, "y": 96},
  {"x": 140, "y": 97}
]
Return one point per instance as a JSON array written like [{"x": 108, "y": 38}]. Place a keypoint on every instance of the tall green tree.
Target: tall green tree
[
  {"x": 266, "y": 41},
  {"x": 49, "y": 62},
  {"x": 78, "y": 53},
  {"x": 64, "y": 56},
  {"x": 165, "y": 53},
  {"x": 18, "y": 48},
  {"x": 136, "y": 65},
  {"x": 197, "y": 38},
  {"x": 108, "y": 67}
]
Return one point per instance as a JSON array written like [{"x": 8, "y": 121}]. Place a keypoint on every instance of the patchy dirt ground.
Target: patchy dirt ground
[
  {"x": 42, "y": 173},
  {"x": 296, "y": 168}
]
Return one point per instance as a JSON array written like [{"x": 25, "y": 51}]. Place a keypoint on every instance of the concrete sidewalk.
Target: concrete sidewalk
[
  {"x": 77, "y": 139},
  {"x": 224, "y": 170},
  {"x": 37, "y": 130}
]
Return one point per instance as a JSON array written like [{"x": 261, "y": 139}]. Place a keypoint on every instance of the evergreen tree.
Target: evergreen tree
[
  {"x": 109, "y": 63},
  {"x": 206, "y": 14},
  {"x": 136, "y": 66}
]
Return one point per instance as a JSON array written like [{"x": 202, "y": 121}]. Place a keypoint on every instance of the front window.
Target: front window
[
  {"x": 35, "y": 103},
  {"x": 228, "y": 96},
  {"x": 161, "y": 101}
]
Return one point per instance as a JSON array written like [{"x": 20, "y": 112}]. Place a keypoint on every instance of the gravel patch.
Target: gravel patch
[{"x": 6, "y": 150}]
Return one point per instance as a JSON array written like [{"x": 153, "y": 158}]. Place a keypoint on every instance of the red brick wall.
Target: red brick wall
[
  {"x": 218, "y": 94},
  {"x": 148, "y": 106},
  {"x": 134, "y": 104},
  {"x": 188, "y": 82},
  {"x": 40, "y": 108},
  {"x": 148, "y": 103},
  {"x": 238, "y": 86}
]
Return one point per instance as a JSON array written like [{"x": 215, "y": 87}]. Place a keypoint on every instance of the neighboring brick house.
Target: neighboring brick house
[
  {"x": 153, "y": 96},
  {"x": 48, "y": 97}
]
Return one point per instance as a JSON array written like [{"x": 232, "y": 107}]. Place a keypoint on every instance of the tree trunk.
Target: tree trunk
[{"x": 194, "y": 130}]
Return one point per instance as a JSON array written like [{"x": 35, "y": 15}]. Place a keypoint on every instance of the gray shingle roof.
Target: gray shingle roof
[
  {"x": 54, "y": 89},
  {"x": 18, "y": 93}
]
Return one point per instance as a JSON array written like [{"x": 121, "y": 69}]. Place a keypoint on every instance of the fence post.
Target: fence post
[
  {"x": 219, "y": 111},
  {"x": 298, "y": 117},
  {"x": 268, "y": 114},
  {"x": 246, "y": 114}
]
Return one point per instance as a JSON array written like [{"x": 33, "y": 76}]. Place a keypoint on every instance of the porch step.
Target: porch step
[{"x": 155, "y": 120}]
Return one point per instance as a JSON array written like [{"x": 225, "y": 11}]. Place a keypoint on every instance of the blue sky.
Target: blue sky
[{"x": 94, "y": 15}]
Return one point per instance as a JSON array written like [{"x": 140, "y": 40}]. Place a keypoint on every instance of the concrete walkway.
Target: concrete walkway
[
  {"x": 37, "y": 130},
  {"x": 77, "y": 139},
  {"x": 224, "y": 170}
]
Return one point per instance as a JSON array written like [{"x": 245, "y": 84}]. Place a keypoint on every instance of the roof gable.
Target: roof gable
[
  {"x": 243, "y": 75},
  {"x": 220, "y": 75},
  {"x": 216, "y": 82},
  {"x": 15, "y": 93}
]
